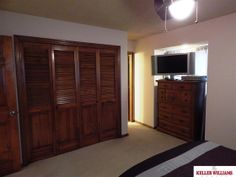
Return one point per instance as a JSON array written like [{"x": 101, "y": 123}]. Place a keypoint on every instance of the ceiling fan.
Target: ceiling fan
[
  {"x": 160, "y": 7},
  {"x": 178, "y": 9}
]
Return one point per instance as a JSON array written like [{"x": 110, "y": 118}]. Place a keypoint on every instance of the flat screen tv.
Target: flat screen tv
[{"x": 174, "y": 64}]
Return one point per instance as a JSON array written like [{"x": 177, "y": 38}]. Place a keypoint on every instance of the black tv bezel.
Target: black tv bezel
[{"x": 155, "y": 64}]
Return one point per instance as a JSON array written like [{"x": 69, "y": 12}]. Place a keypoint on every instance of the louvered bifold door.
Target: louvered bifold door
[
  {"x": 109, "y": 98},
  {"x": 65, "y": 96},
  {"x": 88, "y": 95},
  {"x": 36, "y": 105}
]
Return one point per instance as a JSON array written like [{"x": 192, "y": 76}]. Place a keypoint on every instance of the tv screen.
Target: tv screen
[{"x": 171, "y": 64}]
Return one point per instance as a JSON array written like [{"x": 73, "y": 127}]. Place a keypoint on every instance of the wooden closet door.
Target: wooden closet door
[
  {"x": 66, "y": 109},
  {"x": 109, "y": 95},
  {"x": 9, "y": 137},
  {"x": 88, "y": 95},
  {"x": 35, "y": 93}
]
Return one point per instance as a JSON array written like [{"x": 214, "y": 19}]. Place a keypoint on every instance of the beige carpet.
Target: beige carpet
[{"x": 106, "y": 159}]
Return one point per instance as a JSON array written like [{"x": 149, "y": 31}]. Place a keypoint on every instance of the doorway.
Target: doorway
[{"x": 131, "y": 86}]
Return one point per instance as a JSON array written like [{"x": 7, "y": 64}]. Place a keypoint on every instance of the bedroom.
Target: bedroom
[{"x": 218, "y": 32}]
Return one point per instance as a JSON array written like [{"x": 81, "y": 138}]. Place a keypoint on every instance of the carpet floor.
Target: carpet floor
[{"x": 106, "y": 159}]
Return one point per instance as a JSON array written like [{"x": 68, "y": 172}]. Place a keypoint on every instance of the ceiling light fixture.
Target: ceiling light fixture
[{"x": 181, "y": 9}]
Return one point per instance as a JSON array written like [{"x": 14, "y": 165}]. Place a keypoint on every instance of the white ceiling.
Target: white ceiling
[{"x": 137, "y": 17}]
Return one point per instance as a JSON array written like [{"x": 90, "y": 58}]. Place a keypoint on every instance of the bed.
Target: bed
[{"x": 179, "y": 161}]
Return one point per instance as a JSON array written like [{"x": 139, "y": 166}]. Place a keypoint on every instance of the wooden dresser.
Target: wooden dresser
[{"x": 181, "y": 109}]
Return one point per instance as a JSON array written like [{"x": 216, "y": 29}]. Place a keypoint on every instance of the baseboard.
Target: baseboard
[{"x": 145, "y": 124}]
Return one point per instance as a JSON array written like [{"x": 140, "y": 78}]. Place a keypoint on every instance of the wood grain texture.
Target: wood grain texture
[
  {"x": 88, "y": 75},
  {"x": 65, "y": 76},
  {"x": 37, "y": 75},
  {"x": 108, "y": 123},
  {"x": 108, "y": 94},
  {"x": 78, "y": 84},
  {"x": 67, "y": 136},
  {"x": 9, "y": 137},
  {"x": 66, "y": 129},
  {"x": 107, "y": 74},
  {"x": 41, "y": 134},
  {"x": 88, "y": 96},
  {"x": 181, "y": 109},
  {"x": 89, "y": 124},
  {"x": 34, "y": 84}
]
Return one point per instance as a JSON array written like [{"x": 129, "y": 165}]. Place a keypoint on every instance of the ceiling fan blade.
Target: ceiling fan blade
[{"x": 160, "y": 6}]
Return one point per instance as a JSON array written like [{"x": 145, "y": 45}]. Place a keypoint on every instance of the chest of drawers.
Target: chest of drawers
[{"x": 181, "y": 106}]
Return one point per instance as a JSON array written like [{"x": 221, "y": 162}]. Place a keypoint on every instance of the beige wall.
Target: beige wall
[
  {"x": 131, "y": 45},
  {"x": 220, "y": 34},
  {"x": 14, "y": 23}
]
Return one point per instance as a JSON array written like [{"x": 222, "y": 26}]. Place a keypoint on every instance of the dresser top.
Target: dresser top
[{"x": 180, "y": 81}]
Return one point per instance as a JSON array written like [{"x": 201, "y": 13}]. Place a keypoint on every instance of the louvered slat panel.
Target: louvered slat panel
[
  {"x": 38, "y": 89},
  {"x": 66, "y": 101},
  {"x": 88, "y": 79},
  {"x": 107, "y": 75},
  {"x": 88, "y": 96},
  {"x": 65, "y": 77},
  {"x": 108, "y": 99},
  {"x": 37, "y": 77}
]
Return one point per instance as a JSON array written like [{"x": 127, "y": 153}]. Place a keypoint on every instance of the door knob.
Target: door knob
[{"x": 12, "y": 113}]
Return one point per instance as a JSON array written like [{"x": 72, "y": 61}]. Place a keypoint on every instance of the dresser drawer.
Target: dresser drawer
[
  {"x": 182, "y": 86},
  {"x": 182, "y": 111},
  {"x": 165, "y": 107},
  {"x": 165, "y": 115},
  {"x": 175, "y": 119},
  {"x": 165, "y": 85},
  {"x": 175, "y": 129},
  {"x": 178, "y": 110},
  {"x": 185, "y": 97},
  {"x": 172, "y": 96},
  {"x": 182, "y": 120}
]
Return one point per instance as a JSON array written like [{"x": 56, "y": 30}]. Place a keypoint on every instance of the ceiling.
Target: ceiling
[{"x": 137, "y": 17}]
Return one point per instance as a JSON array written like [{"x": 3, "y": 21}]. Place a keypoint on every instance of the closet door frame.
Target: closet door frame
[
  {"x": 21, "y": 99},
  {"x": 22, "y": 87}
]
